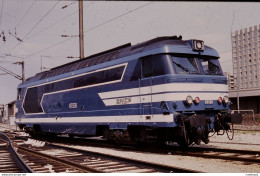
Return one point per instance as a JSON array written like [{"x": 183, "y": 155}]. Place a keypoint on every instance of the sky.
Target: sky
[{"x": 40, "y": 24}]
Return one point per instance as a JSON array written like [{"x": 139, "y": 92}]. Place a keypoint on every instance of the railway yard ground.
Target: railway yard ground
[{"x": 244, "y": 139}]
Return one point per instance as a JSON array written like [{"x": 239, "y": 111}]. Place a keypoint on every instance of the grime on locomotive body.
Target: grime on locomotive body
[{"x": 164, "y": 89}]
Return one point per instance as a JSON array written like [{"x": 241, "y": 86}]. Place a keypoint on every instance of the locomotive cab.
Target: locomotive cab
[{"x": 195, "y": 92}]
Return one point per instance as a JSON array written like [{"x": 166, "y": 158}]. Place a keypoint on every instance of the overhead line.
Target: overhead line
[
  {"x": 28, "y": 10},
  {"x": 55, "y": 23},
  {"x": 41, "y": 20},
  {"x": 58, "y": 43},
  {"x": 37, "y": 24},
  {"x": 130, "y": 11}
]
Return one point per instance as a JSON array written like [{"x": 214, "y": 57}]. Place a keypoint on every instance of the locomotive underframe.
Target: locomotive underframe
[{"x": 188, "y": 128}]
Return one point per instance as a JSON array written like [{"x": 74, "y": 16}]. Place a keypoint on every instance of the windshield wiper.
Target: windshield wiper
[{"x": 183, "y": 68}]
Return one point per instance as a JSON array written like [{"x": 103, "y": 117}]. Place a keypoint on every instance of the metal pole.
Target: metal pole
[
  {"x": 41, "y": 63},
  {"x": 238, "y": 94},
  {"x": 22, "y": 71},
  {"x": 81, "y": 34}
]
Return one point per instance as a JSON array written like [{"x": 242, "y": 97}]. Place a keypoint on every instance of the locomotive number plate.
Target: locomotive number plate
[{"x": 208, "y": 101}]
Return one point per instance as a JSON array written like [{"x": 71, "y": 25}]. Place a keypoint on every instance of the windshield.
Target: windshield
[
  {"x": 211, "y": 66},
  {"x": 183, "y": 65},
  {"x": 194, "y": 65}
]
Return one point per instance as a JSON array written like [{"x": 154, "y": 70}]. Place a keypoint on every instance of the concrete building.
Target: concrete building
[
  {"x": 246, "y": 68},
  {"x": 11, "y": 112},
  {"x": 230, "y": 81}
]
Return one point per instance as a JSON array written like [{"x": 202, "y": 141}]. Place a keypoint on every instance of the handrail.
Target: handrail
[{"x": 232, "y": 112}]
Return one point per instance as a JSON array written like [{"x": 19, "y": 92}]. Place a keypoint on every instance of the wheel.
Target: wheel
[{"x": 184, "y": 142}]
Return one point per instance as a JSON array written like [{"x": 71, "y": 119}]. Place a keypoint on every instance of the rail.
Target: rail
[
  {"x": 15, "y": 155},
  {"x": 100, "y": 162},
  {"x": 158, "y": 167}
]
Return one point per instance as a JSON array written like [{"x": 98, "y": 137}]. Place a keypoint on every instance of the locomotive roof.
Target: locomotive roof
[{"x": 116, "y": 53}]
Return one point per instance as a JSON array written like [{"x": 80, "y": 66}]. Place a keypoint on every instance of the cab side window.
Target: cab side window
[
  {"x": 155, "y": 65},
  {"x": 147, "y": 67}
]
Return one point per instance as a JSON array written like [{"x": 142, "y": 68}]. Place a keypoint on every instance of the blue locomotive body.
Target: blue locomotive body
[{"x": 165, "y": 89}]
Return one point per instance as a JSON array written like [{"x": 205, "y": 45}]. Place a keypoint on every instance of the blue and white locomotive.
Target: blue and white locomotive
[{"x": 164, "y": 89}]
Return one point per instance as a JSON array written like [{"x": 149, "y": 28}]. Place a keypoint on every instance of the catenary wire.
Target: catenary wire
[
  {"x": 37, "y": 23},
  {"x": 27, "y": 11},
  {"x": 95, "y": 27},
  {"x": 130, "y": 11},
  {"x": 55, "y": 23}
]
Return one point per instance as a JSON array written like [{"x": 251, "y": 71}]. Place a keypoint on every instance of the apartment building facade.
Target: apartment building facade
[{"x": 246, "y": 68}]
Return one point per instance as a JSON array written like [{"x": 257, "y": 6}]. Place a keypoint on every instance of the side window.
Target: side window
[
  {"x": 155, "y": 65},
  {"x": 137, "y": 71},
  {"x": 159, "y": 64},
  {"x": 32, "y": 101},
  {"x": 114, "y": 74},
  {"x": 147, "y": 67}
]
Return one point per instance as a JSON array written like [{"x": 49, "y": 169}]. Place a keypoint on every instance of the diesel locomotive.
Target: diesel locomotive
[{"x": 164, "y": 89}]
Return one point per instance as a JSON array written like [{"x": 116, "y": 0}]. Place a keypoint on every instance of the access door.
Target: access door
[
  {"x": 146, "y": 100},
  {"x": 152, "y": 68},
  {"x": 146, "y": 88}
]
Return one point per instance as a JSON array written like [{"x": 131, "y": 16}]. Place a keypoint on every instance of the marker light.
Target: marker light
[
  {"x": 189, "y": 100},
  {"x": 198, "y": 45},
  {"x": 225, "y": 100},
  {"x": 220, "y": 100},
  {"x": 197, "y": 100}
]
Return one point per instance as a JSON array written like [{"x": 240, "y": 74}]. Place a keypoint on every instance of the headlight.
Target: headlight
[
  {"x": 197, "y": 100},
  {"x": 225, "y": 100},
  {"x": 189, "y": 100},
  {"x": 198, "y": 45}
]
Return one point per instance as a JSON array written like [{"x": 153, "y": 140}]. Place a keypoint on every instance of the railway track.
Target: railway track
[
  {"x": 87, "y": 161},
  {"x": 234, "y": 143},
  {"x": 65, "y": 159},
  {"x": 10, "y": 162},
  {"x": 247, "y": 156},
  {"x": 42, "y": 163},
  {"x": 56, "y": 158}
]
